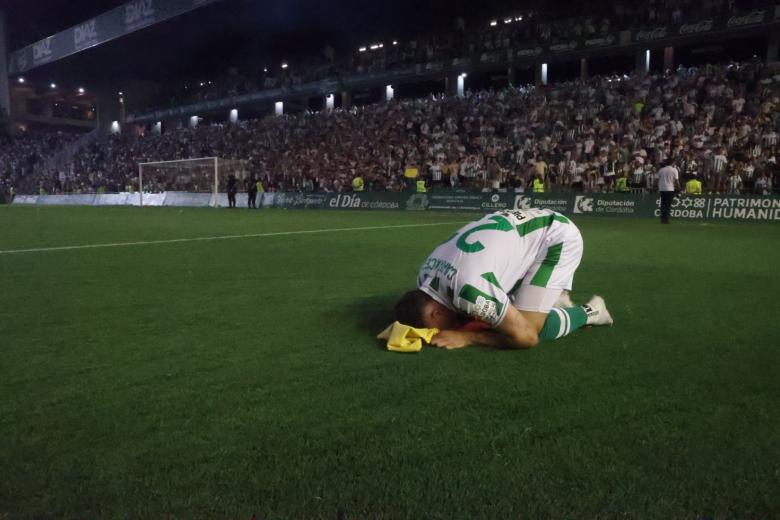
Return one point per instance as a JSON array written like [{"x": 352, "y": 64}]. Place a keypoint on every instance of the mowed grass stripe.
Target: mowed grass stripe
[{"x": 221, "y": 237}]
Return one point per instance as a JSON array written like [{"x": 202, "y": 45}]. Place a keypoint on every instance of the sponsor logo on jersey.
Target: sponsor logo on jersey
[
  {"x": 85, "y": 35},
  {"x": 486, "y": 310},
  {"x": 583, "y": 204}
]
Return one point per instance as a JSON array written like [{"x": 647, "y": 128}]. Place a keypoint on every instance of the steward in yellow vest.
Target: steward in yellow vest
[{"x": 693, "y": 187}]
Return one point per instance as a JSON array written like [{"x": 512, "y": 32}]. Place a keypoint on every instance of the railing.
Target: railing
[{"x": 520, "y": 52}]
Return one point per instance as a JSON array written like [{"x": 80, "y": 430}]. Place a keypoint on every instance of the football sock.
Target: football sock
[{"x": 561, "y": 322}]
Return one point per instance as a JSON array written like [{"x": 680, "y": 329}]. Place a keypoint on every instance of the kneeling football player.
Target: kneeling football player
[{"x": 511, "y": 270}]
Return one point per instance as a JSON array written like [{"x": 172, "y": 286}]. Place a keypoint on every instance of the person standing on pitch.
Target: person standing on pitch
[
  {"x": 232, "y": 188},
  {"x": 251, "y": 192},
  {"x": 668, "y": 182}
]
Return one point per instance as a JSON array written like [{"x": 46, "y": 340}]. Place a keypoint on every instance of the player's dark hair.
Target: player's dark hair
[{"x": 410, "y": 308}]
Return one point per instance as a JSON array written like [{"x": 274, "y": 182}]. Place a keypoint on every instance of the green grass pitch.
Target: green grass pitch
[{"x": 227, "y": 378}]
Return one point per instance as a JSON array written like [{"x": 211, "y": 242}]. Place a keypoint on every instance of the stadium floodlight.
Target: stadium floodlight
[{"x": 189, "y": 178}]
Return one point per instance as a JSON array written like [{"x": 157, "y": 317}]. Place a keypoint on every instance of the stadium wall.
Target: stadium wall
[{"x": 704, "y": 207}]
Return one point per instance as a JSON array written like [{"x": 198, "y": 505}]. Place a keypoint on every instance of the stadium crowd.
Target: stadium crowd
[
  {"x": 22, "y": 158},
  {"x": 542, "y": 26},
  {"x": 717, "y": 123}
]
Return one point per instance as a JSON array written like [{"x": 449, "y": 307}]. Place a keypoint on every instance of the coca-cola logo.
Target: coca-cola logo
[
  {"x": 596, "y": 42},
  {"x": 752, "y": 17},
  {"x": 694, "y": 28},
  {"x": 562, "y": 47},
  {"x": 536, "y": 51},
  {"x": 651, "y": 34}
]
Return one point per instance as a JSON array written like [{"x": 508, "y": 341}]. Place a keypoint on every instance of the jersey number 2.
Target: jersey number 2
[{"x": 498, "y": 224}]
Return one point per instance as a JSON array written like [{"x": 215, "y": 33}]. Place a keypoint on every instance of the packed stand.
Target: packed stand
[
  {"x": 717, "y": 123},
  {"x": 543, "y": 26},
  {"x": 22, "y": 161}
]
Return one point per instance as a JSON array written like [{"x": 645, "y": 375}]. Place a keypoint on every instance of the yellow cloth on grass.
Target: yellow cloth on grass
[{"x": 403, "y": 338}]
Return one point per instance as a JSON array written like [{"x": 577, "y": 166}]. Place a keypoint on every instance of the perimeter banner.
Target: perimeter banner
[
  {"x": 623, "y": 205},
  {"x": 118, "y": 22},
  {"x": 709, "y": 207}
]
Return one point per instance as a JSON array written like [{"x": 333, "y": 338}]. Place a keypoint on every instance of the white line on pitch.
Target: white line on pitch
[{"x": 223, "y": 237}]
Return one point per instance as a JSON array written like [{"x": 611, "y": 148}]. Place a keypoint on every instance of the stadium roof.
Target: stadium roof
[{"x": 241, "y": 33}]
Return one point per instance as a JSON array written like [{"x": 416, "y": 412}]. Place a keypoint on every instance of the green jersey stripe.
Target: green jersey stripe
[
  {"x": 490, "y": 277},
  {"x": 516, "y": 286},
  {"x": 538, "y": 223},
  {"x": 545, "y": 271},
  {"x": 534, "y": 224},
  {"x": 471, "y": 293}
]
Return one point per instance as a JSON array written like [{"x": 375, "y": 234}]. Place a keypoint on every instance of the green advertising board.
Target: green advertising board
[
  {"x": 701, "y": 207},
  {"x": 467, "y": 201},
  {"x": 628, "y": 205},
  {"x": 367, "y": 200}
]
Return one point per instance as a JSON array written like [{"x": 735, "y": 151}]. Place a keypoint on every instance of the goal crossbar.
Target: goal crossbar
[{"x": 214, "y": 164}]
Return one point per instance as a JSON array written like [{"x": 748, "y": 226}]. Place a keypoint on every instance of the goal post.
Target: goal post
[{"x": 197, "y": 175}]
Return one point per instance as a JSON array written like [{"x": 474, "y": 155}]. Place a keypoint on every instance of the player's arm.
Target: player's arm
[{"x": 517, "y": 330}]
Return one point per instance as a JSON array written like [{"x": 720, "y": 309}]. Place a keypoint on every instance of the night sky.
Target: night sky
[{"x": 246, "y": 34}]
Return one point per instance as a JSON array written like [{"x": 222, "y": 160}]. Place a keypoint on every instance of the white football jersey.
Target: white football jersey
[{"x": 477, "y": 270}]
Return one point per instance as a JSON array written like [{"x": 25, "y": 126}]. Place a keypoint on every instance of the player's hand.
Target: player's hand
[{"x": 451, "y": 339}]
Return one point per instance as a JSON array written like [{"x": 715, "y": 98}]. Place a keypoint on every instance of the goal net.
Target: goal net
[{"x": 202, "y": 175}]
